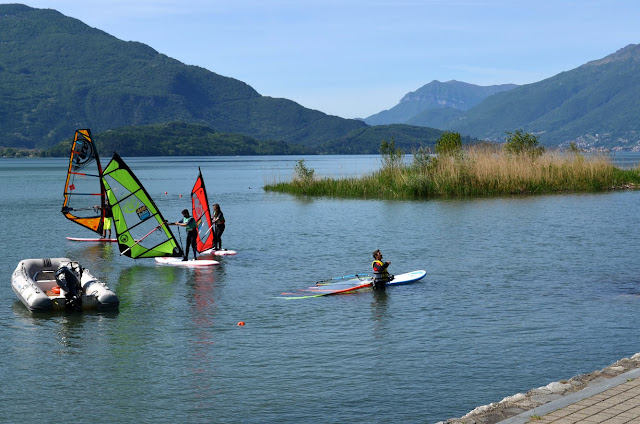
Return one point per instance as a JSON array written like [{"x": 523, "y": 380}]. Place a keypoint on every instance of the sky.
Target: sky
[{"x": 355, "y": 58}]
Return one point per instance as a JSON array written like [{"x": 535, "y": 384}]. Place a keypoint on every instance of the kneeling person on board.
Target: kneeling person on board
[
  {"x": 380, "y": 274},
  {"x": 190, "y": 226}
]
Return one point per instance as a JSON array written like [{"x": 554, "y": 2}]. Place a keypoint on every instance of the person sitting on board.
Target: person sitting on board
[
  {"x": 380, "y": 274},
  {"x": 190, "y": 226},
  {"x": 218, "y": 222}
]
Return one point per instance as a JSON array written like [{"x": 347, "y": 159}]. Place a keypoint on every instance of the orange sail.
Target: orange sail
[{"x": 84, "y": 195}]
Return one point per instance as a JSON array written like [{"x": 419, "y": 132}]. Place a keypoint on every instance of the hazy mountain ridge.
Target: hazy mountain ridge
[
  {"x": 595, "y": 105},
  {"x": 435, "y": 95}
]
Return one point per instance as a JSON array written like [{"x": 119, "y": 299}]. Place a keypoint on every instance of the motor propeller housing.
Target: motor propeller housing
[{"x": 70, "y": 283}]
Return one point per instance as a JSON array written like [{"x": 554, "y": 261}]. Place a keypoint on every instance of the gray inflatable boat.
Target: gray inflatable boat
[{"x": 60, "y": 284}]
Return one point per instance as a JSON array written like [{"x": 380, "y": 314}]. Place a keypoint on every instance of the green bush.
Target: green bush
[
  {"x": 521, "y": 143},
  {"x": 449, "y": 144},
  {"x": 392, "y": 156}
]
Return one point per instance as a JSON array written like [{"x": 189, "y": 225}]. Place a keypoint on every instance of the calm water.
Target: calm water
[{"x": 520, "y": 292}]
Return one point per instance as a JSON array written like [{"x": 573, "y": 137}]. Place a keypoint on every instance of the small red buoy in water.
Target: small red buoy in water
[
  {"x": 241, "y": 323},
  {"x": 165, "y": 192},
  {"x": 181, "y": 195}
]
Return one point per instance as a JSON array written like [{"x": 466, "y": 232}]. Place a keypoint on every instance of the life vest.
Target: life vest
[
  {"x": 379, "y": 275},
  {"x": 191, "y": 223}
]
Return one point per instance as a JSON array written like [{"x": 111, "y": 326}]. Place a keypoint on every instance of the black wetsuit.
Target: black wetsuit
[{"x": 219, "y": 229}]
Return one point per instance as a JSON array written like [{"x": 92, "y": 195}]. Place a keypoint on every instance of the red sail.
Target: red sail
[{"x": 202, "y": 215}]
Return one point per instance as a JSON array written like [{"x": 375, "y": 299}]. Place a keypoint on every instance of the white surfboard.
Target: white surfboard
[
  {"x": 189, "y": 263},
  {"x": 95, "y": 239},
  {"x": 223, "y": 252},
  {"x": 407, "y": 278}
]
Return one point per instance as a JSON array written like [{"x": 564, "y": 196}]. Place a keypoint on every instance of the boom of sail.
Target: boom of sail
[
  {"x": 202, "y": 215},
  {"x": 84, "y": 194},
  {"x": 141, "y": 230}
]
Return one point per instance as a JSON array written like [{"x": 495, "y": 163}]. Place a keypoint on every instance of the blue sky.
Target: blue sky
[{"x": 354, "y": 58}]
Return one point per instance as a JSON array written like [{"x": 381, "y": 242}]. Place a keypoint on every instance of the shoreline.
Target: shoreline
[{"x": 519, "y": 403}]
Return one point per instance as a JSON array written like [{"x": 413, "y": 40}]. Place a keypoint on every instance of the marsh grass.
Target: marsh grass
[{"x": 478, "y": 171}]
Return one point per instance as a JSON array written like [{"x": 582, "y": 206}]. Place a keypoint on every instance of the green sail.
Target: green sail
[{"x": 141, "y": 230}]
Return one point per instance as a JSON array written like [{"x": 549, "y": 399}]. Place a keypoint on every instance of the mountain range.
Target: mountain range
[
  {"x": 436, "y": 103},
  {"x": 57, "y": 74},
  {"x": 595, "y": 105}
]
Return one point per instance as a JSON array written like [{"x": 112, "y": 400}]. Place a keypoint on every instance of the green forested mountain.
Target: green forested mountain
[
  {"x": 367, "y": 140},
  {"x": 181, "y": 139},
  {"x": 595, "y": 105},
  {"x": 178, "y": 139},
  {"x": 58, "y": 74},
  {"x": 423, "y": 106},
  {"x": 436, "y": 118}
]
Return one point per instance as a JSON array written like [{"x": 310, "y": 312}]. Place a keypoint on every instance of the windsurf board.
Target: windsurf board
[
  {"x": 94, "y": 239},
  {"x": 223, "y": 252},
  {"x": 407, "y": 278},
  {"x": 190, "y": 263},
  {"x": 353, "y": 284}
]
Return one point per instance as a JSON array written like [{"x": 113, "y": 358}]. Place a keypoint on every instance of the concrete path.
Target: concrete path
[{"x": 615, "y": 401}]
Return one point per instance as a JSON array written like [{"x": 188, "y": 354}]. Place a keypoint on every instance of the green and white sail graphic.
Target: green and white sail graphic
[{"x": 141, "y": 230}]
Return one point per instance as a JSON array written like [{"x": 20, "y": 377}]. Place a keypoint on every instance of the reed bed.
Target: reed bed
[{"x": 476, "y": 171}]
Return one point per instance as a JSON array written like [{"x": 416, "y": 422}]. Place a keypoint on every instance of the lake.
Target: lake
[{"x": 520, "y": 292}]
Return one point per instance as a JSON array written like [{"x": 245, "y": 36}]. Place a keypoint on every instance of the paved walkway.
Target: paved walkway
[{"x": 615, "y": 401}]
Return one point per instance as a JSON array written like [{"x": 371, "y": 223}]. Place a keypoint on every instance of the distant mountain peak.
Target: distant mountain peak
[{"x": 630, "y": 52}]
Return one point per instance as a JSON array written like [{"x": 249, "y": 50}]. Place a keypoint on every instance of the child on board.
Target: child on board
[
  {"x": 108, "y": 215},
  {"x": 380, "y": 274},
  {"x": 190, "y": 226}
]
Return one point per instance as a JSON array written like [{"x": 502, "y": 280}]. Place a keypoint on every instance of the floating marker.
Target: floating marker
[{"x": 241, "y": 323}]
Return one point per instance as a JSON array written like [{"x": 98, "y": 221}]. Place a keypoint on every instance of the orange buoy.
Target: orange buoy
[
  {"x": 55, "y": 290},
  {"x": 165, "y": 192},
  {"x": 181, "y": 195},
  {"x": 241, "y": 323}
]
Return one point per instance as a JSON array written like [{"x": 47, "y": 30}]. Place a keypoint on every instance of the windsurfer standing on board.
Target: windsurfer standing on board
[
  {"x": 190, "y": 226},
  {"x": 106, "y": 224},
  {"x": 380, "y": 274},
  {"x": 107, "y": 221},
  {"x": 218, "y": 222}
]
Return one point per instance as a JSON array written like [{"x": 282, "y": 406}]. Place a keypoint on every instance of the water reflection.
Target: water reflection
[
  {"x": 201, "y": 298},
  {"x": 379, "y": 306},
  {"x": 69, "y": 328},
  {"x": 142, "y": 284}
]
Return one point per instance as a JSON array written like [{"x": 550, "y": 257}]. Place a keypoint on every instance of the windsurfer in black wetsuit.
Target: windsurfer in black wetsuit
[{"x": 380, "y": 274}]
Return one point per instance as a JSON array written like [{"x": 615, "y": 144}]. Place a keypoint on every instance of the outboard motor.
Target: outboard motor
[{"x": 69, "y": 282}]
